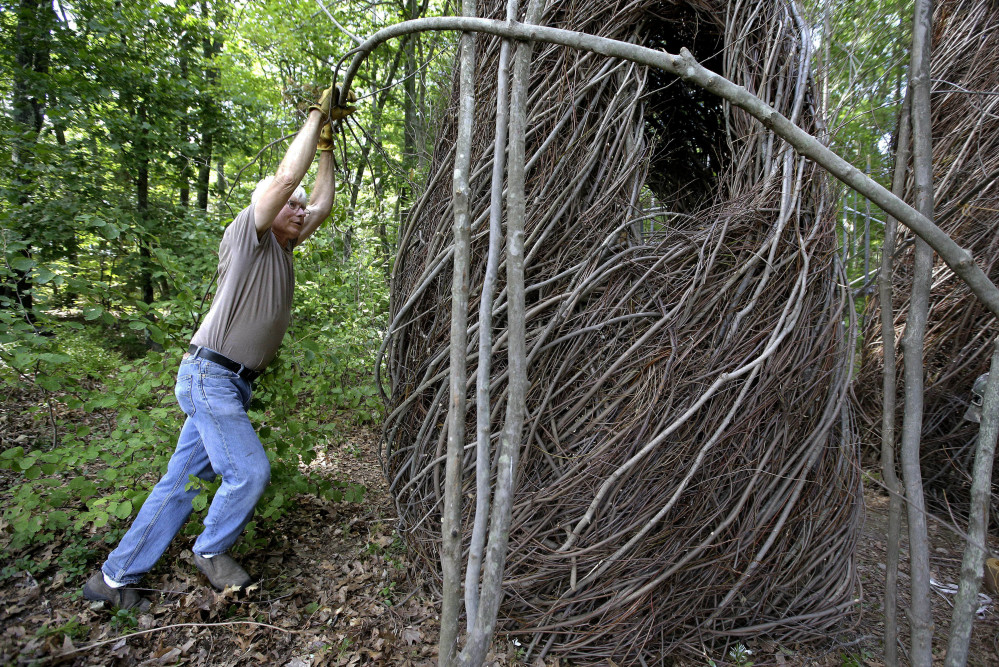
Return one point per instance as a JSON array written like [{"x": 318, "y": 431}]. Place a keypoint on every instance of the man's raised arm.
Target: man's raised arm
[
  {"x": 291, "y": 171},
  {"x": 323, "y": 190},
  {"x": 296, "y": 162}
]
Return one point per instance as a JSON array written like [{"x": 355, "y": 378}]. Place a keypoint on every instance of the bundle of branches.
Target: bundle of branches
[
  {"x": 688, "y": 471},
  {"x": 965, "y": 121}
]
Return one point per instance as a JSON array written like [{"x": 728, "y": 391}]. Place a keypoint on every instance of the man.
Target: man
[{"x": 239, "y": 337}]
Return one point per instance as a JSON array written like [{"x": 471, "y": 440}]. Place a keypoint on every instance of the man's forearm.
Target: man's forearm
[
  {"x": 298, "y": 158},
  {"x": 323, "y": 192}
]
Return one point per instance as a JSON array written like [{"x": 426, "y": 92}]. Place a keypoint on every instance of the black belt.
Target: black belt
[{"x": 239, "y": 369}]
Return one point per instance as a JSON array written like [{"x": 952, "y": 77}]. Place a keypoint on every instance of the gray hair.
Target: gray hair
[{"x": 298, "y": 195}]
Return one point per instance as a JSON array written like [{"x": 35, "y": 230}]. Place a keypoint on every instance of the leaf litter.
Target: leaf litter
[{"x": 337, "y": 588}]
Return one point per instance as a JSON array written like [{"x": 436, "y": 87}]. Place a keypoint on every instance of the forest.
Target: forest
[{"x": 702, "y": 334}]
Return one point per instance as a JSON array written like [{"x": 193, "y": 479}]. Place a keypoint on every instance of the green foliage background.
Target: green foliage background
[{"x": 131, "y": 134}]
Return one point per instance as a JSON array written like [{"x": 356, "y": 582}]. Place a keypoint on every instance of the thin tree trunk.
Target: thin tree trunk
[
  {"x": 141, "y": 148},
  {"x": 184, "y": 175},
  {"x": 483, "y": 413},
  {"x": 409, "y": 149},
  {"x": 220, "y": 182},
  {"x": 32, "y": 56},
  {"x": 920, "y": 612},
  {"x": 451, "y": 519},
  {"x": 204, "y": 159},
  {"x": 211, "y": 46},
  {"x": 889, "y": 389},
  {"x": 508, "y": 455},
  {"x": 966, "y": 600},
  {"x": 827, "y": 36}
]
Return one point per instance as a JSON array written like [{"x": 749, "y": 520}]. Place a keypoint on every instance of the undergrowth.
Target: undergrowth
[{"x": 94, "y": 428}]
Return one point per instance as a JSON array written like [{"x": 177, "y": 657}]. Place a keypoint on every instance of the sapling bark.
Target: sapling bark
[
  {"x": 483, "y": 418},
  {"x": 966, "y": 601},
  {"x": 889, "y": 396},
  {"x": 451, "y": 548},
  {"x": 920, "y": 611},
  {"x": 482, "y": 631}
]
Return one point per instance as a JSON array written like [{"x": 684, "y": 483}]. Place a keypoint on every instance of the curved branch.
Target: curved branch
[{"x": 687, "y": 68}]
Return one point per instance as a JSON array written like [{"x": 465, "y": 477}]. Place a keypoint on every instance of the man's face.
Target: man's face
[{"x": 288, "y": 223}]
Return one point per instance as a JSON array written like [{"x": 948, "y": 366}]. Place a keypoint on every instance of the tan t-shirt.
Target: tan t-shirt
[{"x": 252, "y": 305}]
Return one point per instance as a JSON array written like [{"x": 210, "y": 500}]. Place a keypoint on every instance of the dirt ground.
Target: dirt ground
[{"x": 336, "y": 589}]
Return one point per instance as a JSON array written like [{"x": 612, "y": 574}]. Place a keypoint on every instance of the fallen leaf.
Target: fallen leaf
[{"x": 411, "y": 635}]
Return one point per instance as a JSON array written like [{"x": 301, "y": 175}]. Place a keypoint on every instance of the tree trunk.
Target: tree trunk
[
  {"x": 32, "y": 53},
  {"x": 483, "y": 416},
  {"x": 966, "y": 600},
  {"x": 451, "y": 516},
  {"x": 210, "y": 47},
  {"x": 141, "y": 148},
  {"x": 920, "y": 612},
  {"x": 888, "y": 398},
  {"x": 184, "y": 166},
  {"x": 410, "y": 119},
  {"x": 481, "y": 635}
]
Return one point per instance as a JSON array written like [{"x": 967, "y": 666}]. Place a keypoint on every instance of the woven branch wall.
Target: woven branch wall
[
  {"x": 965, "y": 123},
  {"x": 687, "y": 356}
]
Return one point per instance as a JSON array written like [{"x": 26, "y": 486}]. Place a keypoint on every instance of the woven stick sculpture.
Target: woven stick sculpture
[
  {"x": 966, "y": 194},
  {"x": 689, "y": 470}
]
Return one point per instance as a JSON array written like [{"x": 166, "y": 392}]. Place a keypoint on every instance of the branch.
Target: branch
[
  {"x": 354, "y": 38},
  {"x": 889, "y": 390},
  {"x": 687, "y": 68},
  {"x": 481, "y": 635}
]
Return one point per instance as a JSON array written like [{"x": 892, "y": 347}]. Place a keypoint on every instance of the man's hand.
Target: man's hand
[
  {"x": 323, "y": 105},
  {"x": 329, "y": 107},
  {"x": 338, "y": 112},
  {"x": 325, "y": 137}
]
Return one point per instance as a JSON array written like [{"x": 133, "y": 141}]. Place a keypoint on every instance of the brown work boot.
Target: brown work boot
[
  {"x": 223, "y": 572},
  {"x": 97, "y": 589}
]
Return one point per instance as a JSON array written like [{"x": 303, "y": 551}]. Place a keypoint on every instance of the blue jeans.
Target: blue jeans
[{"x": 217, "y": 439}]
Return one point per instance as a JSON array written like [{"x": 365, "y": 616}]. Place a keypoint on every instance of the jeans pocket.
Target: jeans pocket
[
  {"x": 183, "y": 392},
  {"x": 222, "y": 394}
]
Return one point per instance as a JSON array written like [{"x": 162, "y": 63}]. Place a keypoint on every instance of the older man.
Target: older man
[{"x": 239, "y": 337}]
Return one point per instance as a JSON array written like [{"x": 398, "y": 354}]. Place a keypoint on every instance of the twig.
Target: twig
[{"x": 170, "y": 627}]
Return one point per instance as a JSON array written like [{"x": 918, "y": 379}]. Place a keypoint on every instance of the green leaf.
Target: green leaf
[
  {"x": 57, "y": 520},
  {"x": 21, "y": 263},
  {"x": 200, "y": 502},
  {"x": 53, "y": 358},
  {"x": 44, "y": 275},
  {"x": 123, "y": 510},
  {"x": 49, "y": 383},
  {"x": 156, "y": 334}
]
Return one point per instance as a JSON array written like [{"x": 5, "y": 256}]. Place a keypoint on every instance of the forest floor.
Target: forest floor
[{"x": 335, "y": 589}]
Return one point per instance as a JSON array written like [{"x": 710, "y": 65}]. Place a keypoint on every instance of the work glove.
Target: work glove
[
  {"x": 325, "y": 138},
  {"x": 327, "y": 104}
]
